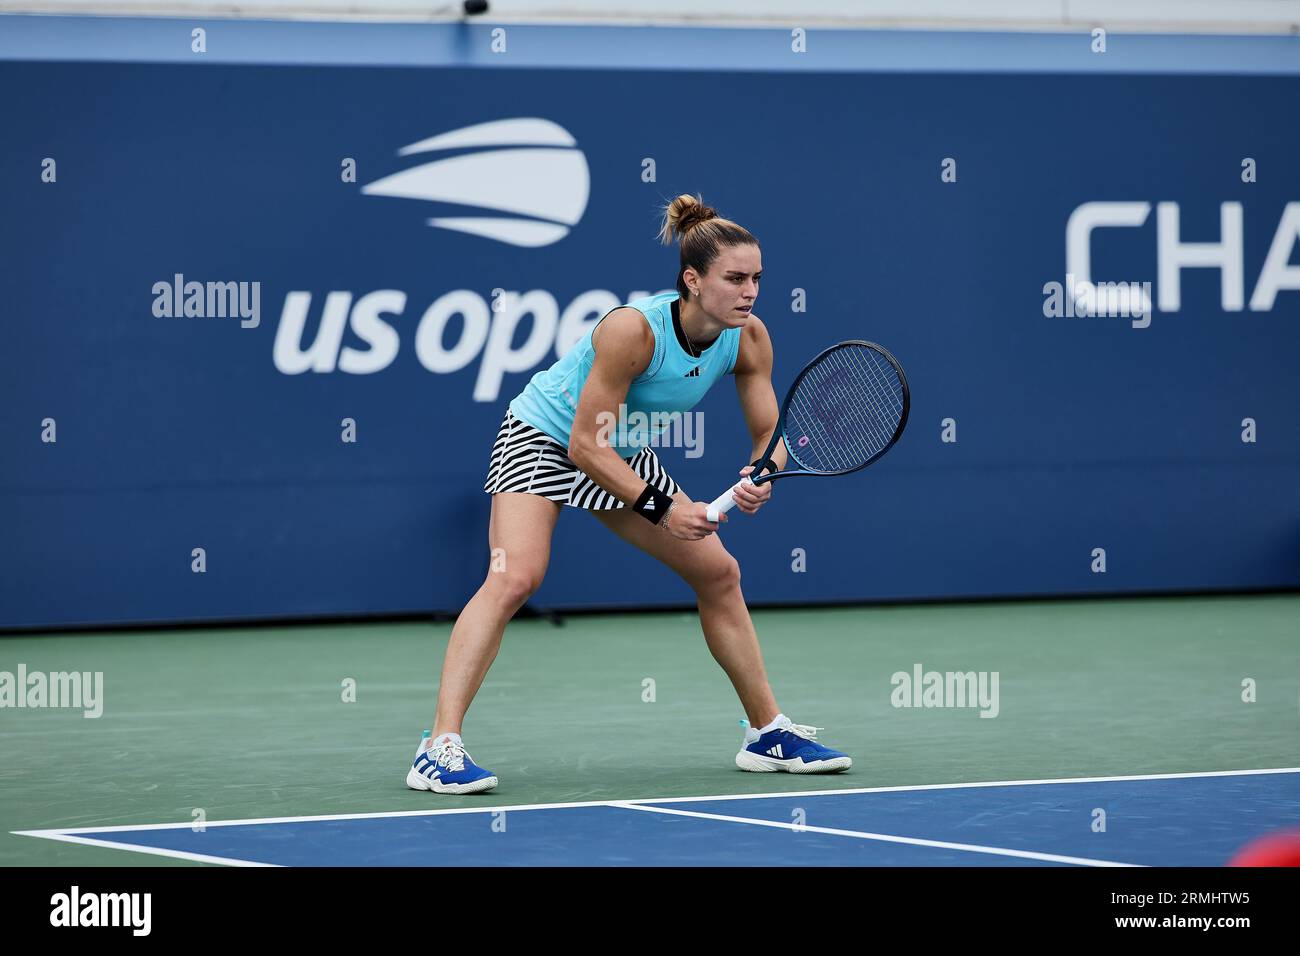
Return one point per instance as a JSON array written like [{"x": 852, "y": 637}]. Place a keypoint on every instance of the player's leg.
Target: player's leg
[
  {"x": 714, "y": 576},
  {"x": 772, "y": 742},
  {"x": 519, "y": 536}
]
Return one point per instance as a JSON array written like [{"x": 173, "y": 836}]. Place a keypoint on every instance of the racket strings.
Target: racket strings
[{"x": 845, "y": 410}]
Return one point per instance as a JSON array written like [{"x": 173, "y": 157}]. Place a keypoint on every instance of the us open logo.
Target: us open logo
[{"x": 529, "y": 168}]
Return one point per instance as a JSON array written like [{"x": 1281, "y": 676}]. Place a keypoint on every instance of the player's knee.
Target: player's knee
[
  {"x": 731, "y": 573},
  {"x": 720, "y": 577},
  {"x": 512, "y": 588}
]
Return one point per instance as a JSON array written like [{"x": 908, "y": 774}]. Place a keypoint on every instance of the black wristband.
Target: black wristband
[{"x": 653, "y": 504}]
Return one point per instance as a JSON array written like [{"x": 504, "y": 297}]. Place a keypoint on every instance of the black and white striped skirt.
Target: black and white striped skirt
[{"x": 526, "y": 459}]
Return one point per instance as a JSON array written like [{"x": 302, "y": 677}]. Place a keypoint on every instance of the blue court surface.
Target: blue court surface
[{"x": 1164, "y": 820}]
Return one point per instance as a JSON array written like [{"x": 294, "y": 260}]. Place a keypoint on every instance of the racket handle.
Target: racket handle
[{"x": 725, "y": 501}]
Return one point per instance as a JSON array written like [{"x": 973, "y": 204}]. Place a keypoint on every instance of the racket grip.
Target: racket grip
[{"x": 725, "y": 501}]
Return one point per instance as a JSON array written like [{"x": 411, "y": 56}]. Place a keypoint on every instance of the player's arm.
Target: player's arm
[
  {"x": 753, "y": 373},
  {"x": 624, "y": 347}
]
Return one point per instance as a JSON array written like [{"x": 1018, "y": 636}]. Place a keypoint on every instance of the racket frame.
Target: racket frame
[{"x": 779, "y": 433}]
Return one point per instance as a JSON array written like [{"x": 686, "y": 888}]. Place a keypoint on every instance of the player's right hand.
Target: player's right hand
[{"x": 689, "y": 520}]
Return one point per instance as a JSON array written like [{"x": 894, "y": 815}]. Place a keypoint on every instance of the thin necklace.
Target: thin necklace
[{"x": 694, "y": 350}]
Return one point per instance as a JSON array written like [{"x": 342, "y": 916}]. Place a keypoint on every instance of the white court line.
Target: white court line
[
  {"x": 881, "y": 837},
  {"x": 251, "y": 821},
  {"x": 983, "y": 783},
  {"x": 136, "y": 848},
  {"x": 64, "y": 834},
  {"x": 322, "y": 818}
]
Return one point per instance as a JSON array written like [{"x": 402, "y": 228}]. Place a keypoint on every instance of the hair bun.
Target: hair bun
[{"x": 683, "y": 214}]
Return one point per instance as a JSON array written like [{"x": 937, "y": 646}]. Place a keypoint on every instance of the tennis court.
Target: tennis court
[
  {"x": 341, "y": 337},
  {"x": 1121, "y": 737}
]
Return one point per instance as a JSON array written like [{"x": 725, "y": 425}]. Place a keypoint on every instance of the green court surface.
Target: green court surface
[{"x": 251, "y": 723}]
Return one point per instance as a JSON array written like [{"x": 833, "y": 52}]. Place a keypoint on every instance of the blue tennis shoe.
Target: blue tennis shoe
[
  {"x": 443, "y": 766},
  {"x": 788, "y": 748}
]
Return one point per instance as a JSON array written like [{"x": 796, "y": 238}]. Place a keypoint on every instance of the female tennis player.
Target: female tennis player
[{"x": 554, "y": 449}]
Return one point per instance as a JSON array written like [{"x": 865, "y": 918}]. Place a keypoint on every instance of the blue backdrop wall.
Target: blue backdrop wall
[{"x": 1071, "y": 433}]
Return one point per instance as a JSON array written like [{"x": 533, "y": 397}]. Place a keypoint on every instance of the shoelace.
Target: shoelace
[
  {"x": 807, "y": 731},
  {"x": 451, "y": 755}
]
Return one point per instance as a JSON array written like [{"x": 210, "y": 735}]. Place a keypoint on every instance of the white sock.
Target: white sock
[
  {"x": 443, "y": 738},
  {"x": 777, "y": 720}
]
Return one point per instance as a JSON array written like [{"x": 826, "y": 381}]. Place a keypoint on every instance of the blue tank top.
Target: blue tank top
[{"x": 674, "y": 381}]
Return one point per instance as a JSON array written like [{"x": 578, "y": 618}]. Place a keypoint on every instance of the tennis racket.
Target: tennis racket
[{"x": 845, "y": 409}]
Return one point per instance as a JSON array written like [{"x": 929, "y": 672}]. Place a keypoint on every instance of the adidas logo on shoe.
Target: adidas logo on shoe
[{"x": 765, "y": 752}]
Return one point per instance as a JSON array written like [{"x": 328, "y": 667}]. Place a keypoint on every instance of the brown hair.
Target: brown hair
[{"x": 702, "y": 234}]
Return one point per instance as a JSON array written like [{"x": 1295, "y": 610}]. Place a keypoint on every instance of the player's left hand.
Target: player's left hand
[{"x": 749, "y": 498}]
